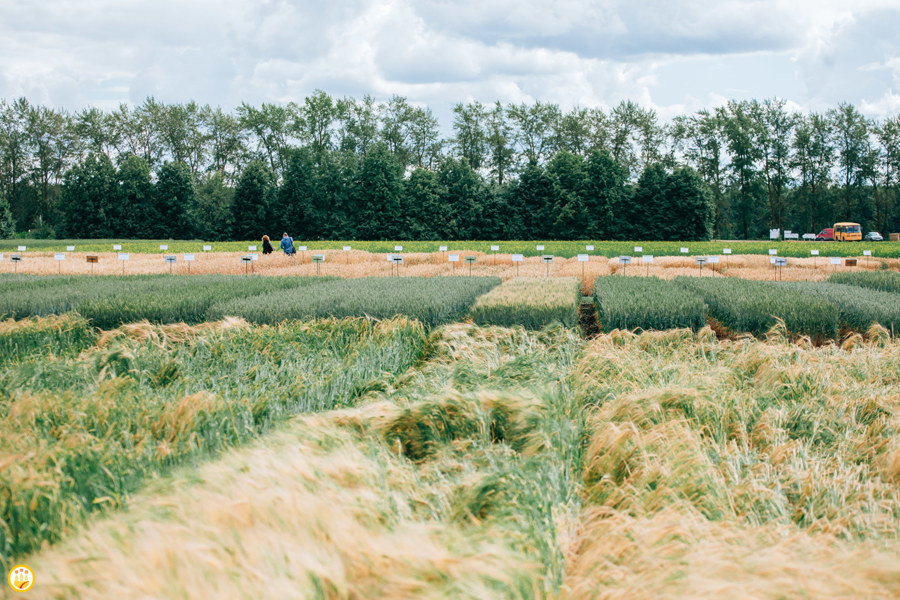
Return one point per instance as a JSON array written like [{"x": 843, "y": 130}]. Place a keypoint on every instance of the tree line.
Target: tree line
[{"x": 347, "y": 168}]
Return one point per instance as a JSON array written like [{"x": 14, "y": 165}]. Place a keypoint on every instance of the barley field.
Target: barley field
[{"x": 414, "y": 434}]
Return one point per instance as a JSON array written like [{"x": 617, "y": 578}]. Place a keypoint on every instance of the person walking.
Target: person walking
[
  {"x": 267, "y": 245},
  {"x": 287, "y": 244}
]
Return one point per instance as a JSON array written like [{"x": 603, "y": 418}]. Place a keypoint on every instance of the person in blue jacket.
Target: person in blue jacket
[{"x": 287, "y": 244}]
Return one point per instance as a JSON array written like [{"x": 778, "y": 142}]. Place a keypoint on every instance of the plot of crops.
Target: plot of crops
[{"x": 507, "y": 464}]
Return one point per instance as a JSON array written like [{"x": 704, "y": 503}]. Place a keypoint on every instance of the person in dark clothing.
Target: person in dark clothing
[
  {"x": 267, "y": 245},
  {"x": 287, "y": 244}
]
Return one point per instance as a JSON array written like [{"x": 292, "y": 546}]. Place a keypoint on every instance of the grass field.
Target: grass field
[
  {"x": 250, "y": 444},
  {"x": 515, "y": 464}
]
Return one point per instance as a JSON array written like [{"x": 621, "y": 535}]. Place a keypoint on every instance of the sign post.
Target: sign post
[
  {"x": 170, "y": 260},
  {"x": 123, "y": 257},
  {"x": 397, "y": 260},
  {"x": 582, "y": 258},
  {"x": 189, "y": 258},
  {"x": 207, "y": 247},
  {"x": 442, "y": 249},
  {"x": 517, "y": 258},
  {"x": 867, "y": 254},
  {"x": 815, "y": 254},
  {"x": 712, "y": 260},
  {"x": 726, "y": 252},
  {"x": 647, "y": 259},
  {"x": 318, "y": 259},
  {"x": 59, "y": 257},
  {"x": 453, "y": 258},
  {"x": 835, "y": 261},
  {"x": 470, "y": 260},
  {"x": 700, "y": 260},
  {"x": 780, "y": 263},
  {"x": 92, "y": 259},
  {"x": 548, "y": 259},
  {"x": 248, "y": 262},
  {"x": 624, "y": 260},
  {"x": 494, "y": 249}
]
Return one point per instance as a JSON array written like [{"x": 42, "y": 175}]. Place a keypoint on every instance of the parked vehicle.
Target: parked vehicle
[
  {"x": 826, "y": 235},
  {"x": 874, "y": 236},
  {"x": 847, "y": 232}
]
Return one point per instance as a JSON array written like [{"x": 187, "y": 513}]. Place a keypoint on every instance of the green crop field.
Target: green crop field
[{"x": 450, "y": 437}]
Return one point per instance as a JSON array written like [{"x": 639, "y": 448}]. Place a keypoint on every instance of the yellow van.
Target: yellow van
[{"x": 847, "y": 232}]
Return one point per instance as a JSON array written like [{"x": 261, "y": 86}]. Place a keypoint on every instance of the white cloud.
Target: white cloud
[{"x": 674, "y": 56}]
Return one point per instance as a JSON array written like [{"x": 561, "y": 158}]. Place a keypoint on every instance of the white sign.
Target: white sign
[
  {"x": 301, "y": 249},
  {"x": 583, "y": 258},
  {"x": 346, "y": 248},
  {"x": 70, "y": 248},
  {"x": 1, "y": 256},
  {"x": 495, "y": 248},
  {"x": 547, "y": 258},
  {"x": 814, "y": 252},
  {"x": 390, "y": 257},
  {"x": 625, "y": 260},
  {"x": 188, "y": 257},
  {"x": 772, "y": 252},
  {"x": 247, "y": 258},
  {"x": 398, "y": 248},
  {"x": 780, "y": 261},
  {"x": 726, "y": 251},
  {"x": 161, "y": 247},
  {"x": 867, "y": 253},
  {"x": 713, "y": 259},
  {"x": 58, "y": 256},
  {"x": 518, "y": 257},
  {"x": 117, "y": 246},
  {"x": 254, "y": 257},
  {"x": 540, "y": 247},
  {"x": 647, "y": 258},
  {"x": 589, "y": 247},
  {"x": 124, "y": 256},
  {"x": 774, "y": 234},
  {"x": 835, "y": 260},
  {"x": 638, "y": 249},
  {"x": 684, "y": 250},
  {"x": 700, "y": 260},
  {"x": 787, "y": 233},
  {"x": 453, "y": 258},
  {"x": 772, "y": 260},
  {"x": 170, "y": 258},
  {"x": 397, "y": 259},
  {"x": 442, "y": 249},
  {"x": 207, "y": 248},
  {"x": 809, "y": 236},
  {"x": 251, "y": 248},
  {"x": 318, "y": 258},
  {"x": 22, "y": 248}
]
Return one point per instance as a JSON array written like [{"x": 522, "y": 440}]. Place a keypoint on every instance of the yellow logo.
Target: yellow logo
[{"x": 21, "y": 578}]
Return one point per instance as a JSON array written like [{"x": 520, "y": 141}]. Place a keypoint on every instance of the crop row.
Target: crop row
[
  {"x": 81, "y": 432},
  {"x": 108, "y": 302},
  {"x": 818, "y": 310},
  {"x": 530, "y": 301},
  {"x": 566, "y": 249}
]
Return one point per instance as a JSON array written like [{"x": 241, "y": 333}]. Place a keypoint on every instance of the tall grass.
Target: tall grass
[
  {"x": 64, "y": 334},
  {"x": 885, "y": 281},
  {"x": 859, "y": 307},
  {"x": 760, "y": 468},
  {"x": 755, "y": 307},
  {"x": 646, "y": 303},
  {"x": 433, "y": 301},
  {"x": 532, "y": 302},
  {"x": 81, "y": 433}
]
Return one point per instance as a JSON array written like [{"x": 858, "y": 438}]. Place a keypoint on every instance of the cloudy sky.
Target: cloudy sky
[{"x": 675, "y": 56}]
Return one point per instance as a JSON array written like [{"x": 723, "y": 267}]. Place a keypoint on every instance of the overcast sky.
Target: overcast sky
[{"x": 675, "y": 56}]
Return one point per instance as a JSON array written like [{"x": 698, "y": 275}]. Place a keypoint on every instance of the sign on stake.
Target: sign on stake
[
  {"x": 517, "y": 258},
  {"x": 207, "y": 247},
  {"x": 59, "y": 257},
  {"x": 470, "y": 260},
  {"x": 123, "y": 257},
  {"x": 548, "y": 259},
  {"x": 70, "y": 248}
]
